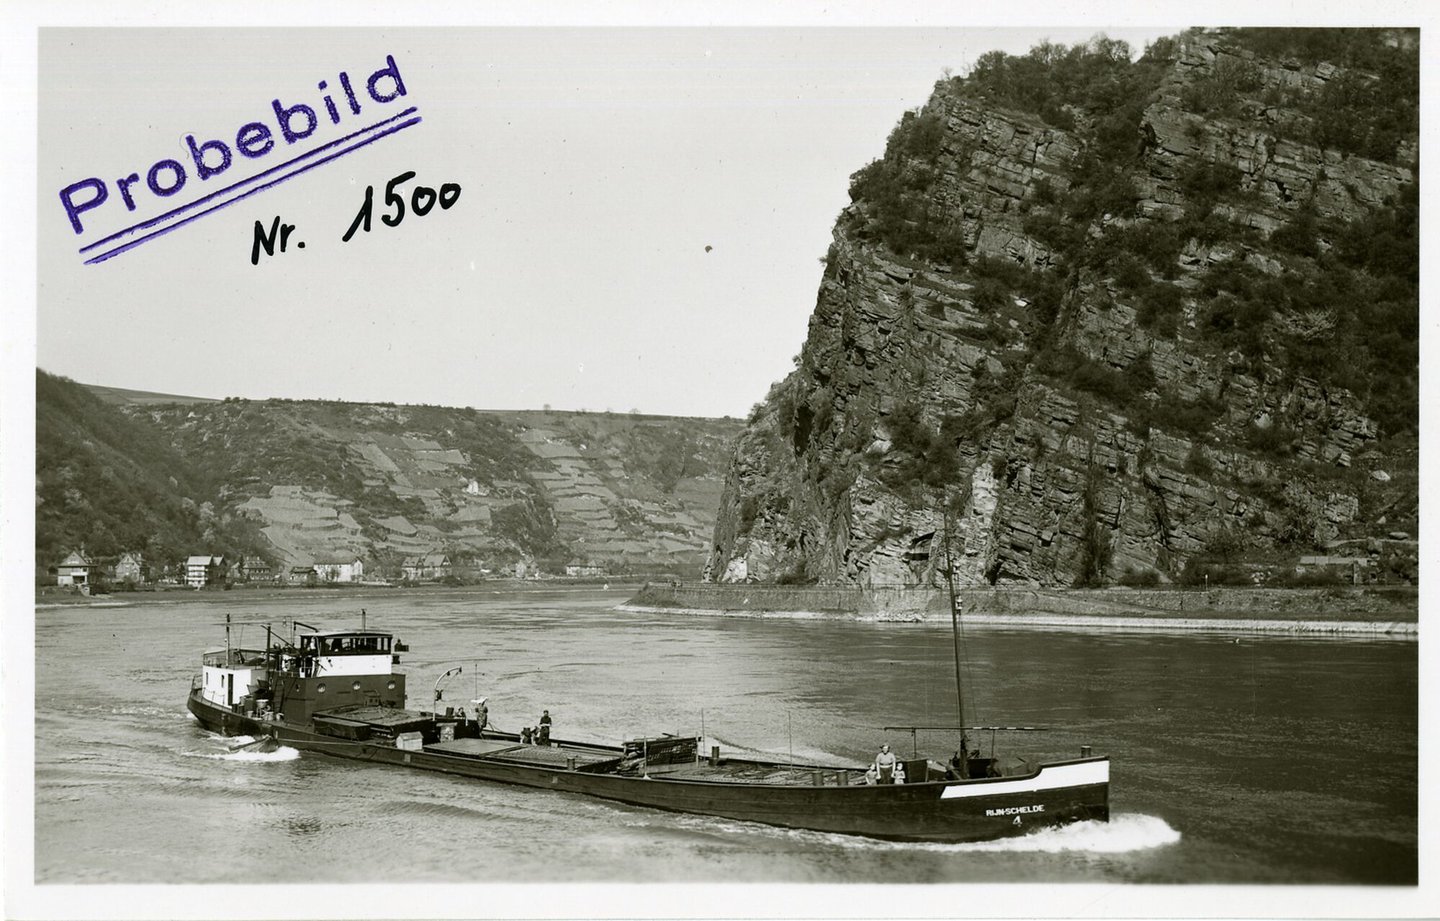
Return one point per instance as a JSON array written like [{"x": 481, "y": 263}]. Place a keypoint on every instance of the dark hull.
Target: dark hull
[{"x": 952, "y": 811}]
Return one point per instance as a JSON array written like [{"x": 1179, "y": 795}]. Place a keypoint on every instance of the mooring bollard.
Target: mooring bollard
[
  {"x": 1084, "y": 751},
  {"x": 842, "y": 778},
  {"x": 817, "y": 778}
]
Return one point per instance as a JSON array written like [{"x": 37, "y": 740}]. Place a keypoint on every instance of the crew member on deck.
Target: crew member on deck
[
  {"x": 885, "y": 765},
  {"x": 956, "y": 768},
  {"x": 482, "y": 716},
  {"x": 544, "y": 738}
]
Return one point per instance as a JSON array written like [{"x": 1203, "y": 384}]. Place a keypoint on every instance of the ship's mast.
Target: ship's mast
[{"x": 955, "y": 637}]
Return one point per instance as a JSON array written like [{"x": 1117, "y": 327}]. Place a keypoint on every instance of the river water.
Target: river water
[{"x": 1236, "y": 758}]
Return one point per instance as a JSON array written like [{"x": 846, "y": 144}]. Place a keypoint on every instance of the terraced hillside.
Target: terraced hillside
[{"x": 325, "y": 480}]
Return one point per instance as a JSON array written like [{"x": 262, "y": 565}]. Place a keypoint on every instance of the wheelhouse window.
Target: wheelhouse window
[{"x": 353, "y": 645}]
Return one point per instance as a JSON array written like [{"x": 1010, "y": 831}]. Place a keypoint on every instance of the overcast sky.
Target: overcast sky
[{"x": 596, "y": 167}]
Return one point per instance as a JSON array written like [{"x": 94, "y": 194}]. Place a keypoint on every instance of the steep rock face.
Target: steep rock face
[{"x": 1085, "y": 402}]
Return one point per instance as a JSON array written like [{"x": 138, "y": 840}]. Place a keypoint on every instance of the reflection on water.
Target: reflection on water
[{"x": 1274, "y": 759}]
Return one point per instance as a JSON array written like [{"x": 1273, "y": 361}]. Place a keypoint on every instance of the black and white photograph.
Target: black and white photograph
[{"x": 630, "y": 463}]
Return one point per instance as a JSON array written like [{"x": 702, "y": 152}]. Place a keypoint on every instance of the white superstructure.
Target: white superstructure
[
  {"x": 346, "y": 652},
  {"x": 228, "y": 675}
]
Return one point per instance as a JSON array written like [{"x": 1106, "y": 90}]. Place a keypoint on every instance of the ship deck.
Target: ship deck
[
  {"x": 520, "y": 753},
  {"x": 727, "y": 771},
  {"x": 751, "y": 772},
  {"x": 388, "y": 717}
]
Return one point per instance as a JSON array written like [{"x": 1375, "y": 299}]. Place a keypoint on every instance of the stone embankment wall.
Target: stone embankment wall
[
  {"x": 703, "y": 596},
  {"x": 1385, "y": 611}
]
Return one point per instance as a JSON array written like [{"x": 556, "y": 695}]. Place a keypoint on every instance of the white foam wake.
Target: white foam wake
[
  {"x": 1121, "y": 834},
  {"x": 238, "y": 750},
  {"x": 283, "y": 753}
]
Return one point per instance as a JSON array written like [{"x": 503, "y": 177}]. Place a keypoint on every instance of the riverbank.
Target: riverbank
[
  {"x": 1387, "y": 611},
  {"x": 51, "y": 597},
  {"x": 1383, "y": 611}
]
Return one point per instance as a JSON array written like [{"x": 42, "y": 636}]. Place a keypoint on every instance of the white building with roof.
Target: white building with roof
[
  {"x": 340, "y": 570},
  {"x": 201, "y": 571}
]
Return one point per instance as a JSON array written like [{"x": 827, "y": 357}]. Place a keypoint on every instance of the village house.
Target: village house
[
  {"x": 426, "y": 567},
  {"x": 256, "y": 569},
  {"x": 583, "y": 569},
  {"x": 302, "y": 575},
  {"x": 76, "y": 569},
  {"x": 340, "y": 571},
  {"x": 131, "y": 568},
  {"x": 171, "y": 572},
  {"x": 201, "y": 571}
]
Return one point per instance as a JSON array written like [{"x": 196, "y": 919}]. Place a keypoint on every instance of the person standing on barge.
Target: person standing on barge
[{"x": 885, "y": 765}]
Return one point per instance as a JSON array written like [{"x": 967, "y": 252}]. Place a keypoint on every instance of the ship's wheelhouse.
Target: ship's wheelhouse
[
  {"x": 345, "y": 652},
  {"x": 326, "y": 670}
]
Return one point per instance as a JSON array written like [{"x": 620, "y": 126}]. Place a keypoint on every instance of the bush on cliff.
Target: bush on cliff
[
  {"x": 896, "y": 190},
  {"x": 920, "y": 455},
  {"x": 1096, "y": 547},
  {"x": 1370, "y": 108},
  {"x": 1053, "y": 81},
  {"x": 1140, "y": 578}
]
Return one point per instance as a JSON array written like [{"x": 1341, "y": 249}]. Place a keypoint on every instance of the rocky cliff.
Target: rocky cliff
[{"x": 1114, "y": 319}]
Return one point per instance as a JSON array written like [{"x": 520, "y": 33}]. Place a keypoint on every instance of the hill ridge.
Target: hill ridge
[{"x": 299, "y": 480}]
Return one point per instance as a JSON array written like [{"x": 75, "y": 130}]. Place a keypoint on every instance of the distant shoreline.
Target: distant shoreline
[
  {"x": 242, "y": 594},
  {"x": 1389, "y": 629},
  {"x": 1358, "y": 612},
  {"x": 1388, "y": 612}
]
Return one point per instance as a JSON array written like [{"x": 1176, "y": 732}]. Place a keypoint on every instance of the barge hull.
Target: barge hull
[{"x": 942, "y": 811}]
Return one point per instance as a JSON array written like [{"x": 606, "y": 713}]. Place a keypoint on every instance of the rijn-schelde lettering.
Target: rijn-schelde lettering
[
  {"x": 1015, "y": 810},
  {"x": 253, "y": 140}
]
